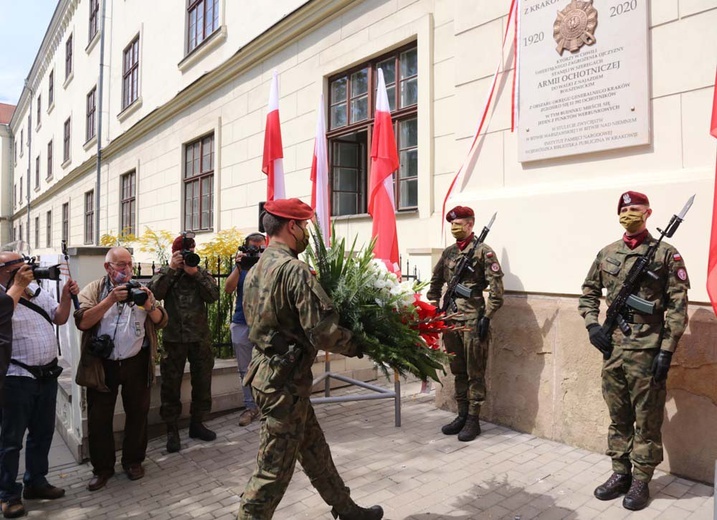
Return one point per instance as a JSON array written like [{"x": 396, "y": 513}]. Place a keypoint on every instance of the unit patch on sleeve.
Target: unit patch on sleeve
[{"x": 682, "y": 274}]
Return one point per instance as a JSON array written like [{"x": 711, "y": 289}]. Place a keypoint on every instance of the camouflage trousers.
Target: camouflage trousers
[
  {"x": 468, "y": 365},
  {"x": 201, "y": 362},
  {"x": 289, "y": 432},
  {"x": 636, "y": 405}
]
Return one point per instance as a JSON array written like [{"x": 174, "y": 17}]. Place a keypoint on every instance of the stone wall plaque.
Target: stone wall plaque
[{"x": 583, "y": 77}]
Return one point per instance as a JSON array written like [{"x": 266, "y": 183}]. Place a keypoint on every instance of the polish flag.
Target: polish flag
[
  {"x": 273, "y": 163},
  {"x": 384, "y": 161},
  {"x": 320, "y": 175},
  {"x": 712, "y": 261}
]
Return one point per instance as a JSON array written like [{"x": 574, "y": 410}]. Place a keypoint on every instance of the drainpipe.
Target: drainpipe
[
  {"x": 29, "y": 155},
  {"x": 99, "y": 127}
]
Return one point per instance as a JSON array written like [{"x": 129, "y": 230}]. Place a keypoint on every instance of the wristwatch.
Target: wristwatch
[{"x": 153, "y": 307}]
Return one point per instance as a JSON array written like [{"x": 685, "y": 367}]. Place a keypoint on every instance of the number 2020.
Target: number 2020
[{"x": 622, "y": 8}]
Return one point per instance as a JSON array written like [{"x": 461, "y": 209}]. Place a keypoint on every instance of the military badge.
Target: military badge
[
  {"x": 626, "y": 199},
  {"x": 575, "y": 26},
  {"x": 495, "y": 267},
  {"x": 682, "y": 274}
]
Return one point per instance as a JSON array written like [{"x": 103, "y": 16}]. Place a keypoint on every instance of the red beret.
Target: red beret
[
  {"x": 292, "y": 209},
  {"x": 459, "y": 212},
  {"x": 632, "y": 197},
  {"x": 178, "y": 243}
]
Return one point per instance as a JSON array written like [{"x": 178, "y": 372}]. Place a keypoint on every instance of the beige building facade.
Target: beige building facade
[{"x": 179, "y": 114}]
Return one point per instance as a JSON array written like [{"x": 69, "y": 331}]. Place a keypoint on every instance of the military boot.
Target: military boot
[
  {"x": 456, "y": 425},
  {"x": 638, "y": 496},
  {"x": 471, "y": 430},
  {"x": 618, "y": 484},
  {"x": 359, "y": 513},
  {"x": 173, "y": 443},
  {"x": 197, "y": 430}
]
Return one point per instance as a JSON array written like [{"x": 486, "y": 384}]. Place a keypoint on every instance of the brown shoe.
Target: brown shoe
[
  {"x": 248, "y": 416},
  {"x": 134, "y": 471},
  {"x": 98, "y": 481},
  {"x": 13, "y": 508},
  {"x": 46, "y": 492},
  {"x": 618, "y": 484},
  {"x": 637, "y": 497}
]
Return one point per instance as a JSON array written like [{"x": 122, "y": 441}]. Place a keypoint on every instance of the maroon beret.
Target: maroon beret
[
  {"x": 632, "y": 197},
  {"x": 459, "y": 212},
  {"x": 178, "y": 243},
  {"x": 293, "y": 209}
]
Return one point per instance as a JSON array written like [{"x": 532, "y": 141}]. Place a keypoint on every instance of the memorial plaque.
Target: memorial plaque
[{"x": 583, "y": 77}]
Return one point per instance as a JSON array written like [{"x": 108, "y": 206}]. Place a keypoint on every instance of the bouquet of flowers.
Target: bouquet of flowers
[{"x": 388, "y": 320}]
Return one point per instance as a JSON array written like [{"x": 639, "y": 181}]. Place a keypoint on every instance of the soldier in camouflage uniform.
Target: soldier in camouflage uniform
[
  {"x": 469, "y": 347},
  {"x": 186, "y": 291},
  {"x": 290, "y": 319},
  {"x": 633, "y": 378}
]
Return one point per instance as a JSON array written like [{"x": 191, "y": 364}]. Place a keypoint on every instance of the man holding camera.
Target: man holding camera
[
  {"x": 30, "y": 386},
  {"x": 119, "y": 321},
  {"x": 246, "y": 257},
  {"x": 186, "y": 290}
]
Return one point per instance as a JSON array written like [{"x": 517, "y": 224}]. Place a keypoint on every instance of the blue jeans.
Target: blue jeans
[
  {"x": 29, "y": 405},
  {"x": 243, "y": 350}
]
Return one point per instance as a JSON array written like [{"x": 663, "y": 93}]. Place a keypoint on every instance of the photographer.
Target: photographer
[
  {"x": 246, "y": 257},
  {"x": 119, "y": 321},
  {"x": 186, "y": 290},
  {"x": 30, "y": 386}
]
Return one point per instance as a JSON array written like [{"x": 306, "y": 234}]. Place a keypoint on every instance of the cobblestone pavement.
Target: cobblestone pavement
[{"x": 414, "y": 472}]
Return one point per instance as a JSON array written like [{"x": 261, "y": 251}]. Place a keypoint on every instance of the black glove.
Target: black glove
[
  {"x": 660, "y": 365},
  {"x": 600, "y": 340},
  {"x": 483, "y": 328}
]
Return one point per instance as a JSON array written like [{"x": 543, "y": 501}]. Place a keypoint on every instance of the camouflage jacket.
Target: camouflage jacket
[
  {"x": 486, "y": 272},
  {"x": 668, "y": 292},
  {"x": 185, "y": 298},
  {"x": 286, "y": 308}
]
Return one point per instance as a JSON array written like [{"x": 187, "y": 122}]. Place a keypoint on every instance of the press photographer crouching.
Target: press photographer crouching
[
  {"x": 30, "y": 387},
  {"x": 119, "y": 320}
]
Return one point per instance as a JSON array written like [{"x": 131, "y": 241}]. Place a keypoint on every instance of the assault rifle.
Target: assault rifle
[
  {"x": 625, "y": 298},
  {"x": 455, "y": 287}
]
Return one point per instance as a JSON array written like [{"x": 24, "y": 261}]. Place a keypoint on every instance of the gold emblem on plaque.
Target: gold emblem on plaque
[{"x": 575, "y": 26}]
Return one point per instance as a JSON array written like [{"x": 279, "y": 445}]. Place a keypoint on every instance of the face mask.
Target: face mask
[
  {"x": 119, "y": 277},
  {"x": 302, "y": 242},
  {"x": 458, "y": 232},
  {"x": 632, "y": 220}
]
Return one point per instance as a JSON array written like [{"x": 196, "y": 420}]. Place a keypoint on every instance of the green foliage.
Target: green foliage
[
  {"x": 378, "y": 311},
  {"x": 123, "y": 238},
  {"x": 158, "y": 243}
]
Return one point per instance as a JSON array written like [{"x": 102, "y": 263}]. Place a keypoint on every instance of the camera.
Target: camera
[
  {"x": 51, "y": 272},
  {"x": 251, "y": 252},
  {"x": 135, "y": 294},
  {"x": 190, "y": 258},
  {"x": 101, "y": 346}
]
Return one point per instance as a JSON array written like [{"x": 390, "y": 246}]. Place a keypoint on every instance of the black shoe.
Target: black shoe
[
  {"x": 456, "y": 425},
  {"x": 359, "y": 513},
  {"x": 471, "y": 430},
  {"x": 618, "y": 484},
  {"x": 46, "y": 492},
  {"x": 637, "y": 497},
  {"x": 198, "y": 431},
  {"x": 173, "y": 442}
]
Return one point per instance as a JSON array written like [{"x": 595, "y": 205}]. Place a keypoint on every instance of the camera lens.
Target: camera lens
[{"x": 190, "y": 259}]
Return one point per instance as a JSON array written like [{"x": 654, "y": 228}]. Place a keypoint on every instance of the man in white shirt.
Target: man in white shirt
[{"x": 30, "y": 390}]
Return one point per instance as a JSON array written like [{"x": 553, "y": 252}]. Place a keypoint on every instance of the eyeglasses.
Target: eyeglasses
[{"x": 121, "y": 265}]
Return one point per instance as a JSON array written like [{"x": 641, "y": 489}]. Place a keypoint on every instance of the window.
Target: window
[
  {"x": 351, "y": 111},
  {"x": 14, "y": 195},
  {"x": 66, "y": 141},
  {"x": 66, "y": 221},
  {"x": 20, "y": 190},
  {"x": 15, "y": 150},
  {"x": 39, "y": 108},
  {"x": 49, "y": 160},
  {"x": 37, "y": 232},
  {"x": 14, "y": 233},
  {"x": 94, "y": 18},
  {"x": 202, "y": 21},
  {"x": 89, "y": 216},
  {"x": 22, "y": 141},
  {"x": 20, "y": 233},
  {"x": 91, "y": 108},
  {"x": 199, "y": 184},
  {"x": 127, "y": 203},
  {"x": 48, "y": 230},
  {"x": 51, "y": 89},
  {"x": 130, "y": 73},
  {"x": 37, "y": 173},
  {"x": 68, "y": 58}
]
